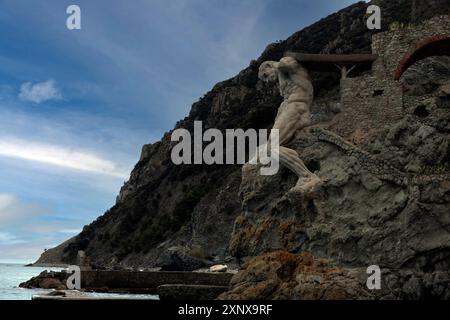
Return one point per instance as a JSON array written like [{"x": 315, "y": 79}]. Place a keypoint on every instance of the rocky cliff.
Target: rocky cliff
[
  {"x": 188, "y": 216},
  {"x": 388, "y": 207}
]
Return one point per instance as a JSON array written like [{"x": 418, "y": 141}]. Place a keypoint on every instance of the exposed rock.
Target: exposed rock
[
  {"x": 387, "y": 205},
  {"x": 52, "y": 284},
  {"x": 47, "y": 280},
  {"x": 54, "y": 257},
  {"x": 445, "y": 90},
  {"x": 179, "y": 259},
  {"x": 362, "y": 216},
  {"x": 281, "y": 275}
]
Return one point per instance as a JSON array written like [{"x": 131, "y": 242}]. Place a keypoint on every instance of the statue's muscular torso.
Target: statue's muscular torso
[
  {"x": 295, "y": 85},
  {"x": 293, "y": 115}
]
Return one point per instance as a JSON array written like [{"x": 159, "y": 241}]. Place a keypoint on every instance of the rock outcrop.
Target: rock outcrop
[
  {"x": 388, "y": 205},
  {"x": 47, "y": 280},
  {"x": 285, "y": 276}
]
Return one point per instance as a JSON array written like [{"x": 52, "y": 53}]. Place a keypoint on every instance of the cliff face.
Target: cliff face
[
  {"x": 385, "y": 202},
  {"x": 167, "y": 212}
]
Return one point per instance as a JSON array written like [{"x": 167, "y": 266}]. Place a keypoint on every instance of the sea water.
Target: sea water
[{"x": 11, "y": 275}]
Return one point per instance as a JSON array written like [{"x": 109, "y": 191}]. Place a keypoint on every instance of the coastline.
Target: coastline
[
  {"x": 47, "y": 265},
  {"x": 168, "y": 285},
  {"x": 12, "y": 274}
]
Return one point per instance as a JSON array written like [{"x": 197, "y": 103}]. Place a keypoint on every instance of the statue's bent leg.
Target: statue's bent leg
[
  {"x": 290, "y": 159},
  {"x": 307, "y": 181},
  {"x": 293, "y": 117}
]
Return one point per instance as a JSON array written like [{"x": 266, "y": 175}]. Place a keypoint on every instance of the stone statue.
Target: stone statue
[{"x": 293, "y": 115}]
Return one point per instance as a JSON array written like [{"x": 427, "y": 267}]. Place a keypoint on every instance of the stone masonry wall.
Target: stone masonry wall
[
  {"x": 393, "y": 45},
  {"x": 376, "y": 98},
  {"x": 368, "y": 101}
]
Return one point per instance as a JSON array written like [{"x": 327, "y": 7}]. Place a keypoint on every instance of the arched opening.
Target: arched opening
[
  {"x": 425, "y": 77},
  {"x": 434, "y": 46}
]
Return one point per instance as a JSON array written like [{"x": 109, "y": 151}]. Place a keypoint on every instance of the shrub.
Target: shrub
[
  {"x": 183, "y": 209},
  {"x": 157, "y": 230},
  {"x": 396, "y": 25}
]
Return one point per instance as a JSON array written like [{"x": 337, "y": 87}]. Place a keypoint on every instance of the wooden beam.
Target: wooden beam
[{"x": 328, "y": 62}]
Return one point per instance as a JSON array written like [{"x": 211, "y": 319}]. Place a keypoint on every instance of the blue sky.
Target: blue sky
[{"x": 76, "y": 106}]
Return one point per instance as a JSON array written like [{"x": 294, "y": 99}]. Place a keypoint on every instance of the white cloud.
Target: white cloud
[
  {"x": 59, "y": 156},
  {"x": 70, "y": 231},
  {"x": 40, "y": 92},
  {"x": 12, "y": 209},
  {"x": 7, "y": 238},
  {"x": 23, "y": 252}
]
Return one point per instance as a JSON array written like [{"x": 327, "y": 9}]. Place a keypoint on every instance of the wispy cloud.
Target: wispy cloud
[
  {"x": 70, "y": 231},
  {"x": 12, "y": 209},
  {"x": 8, "y": 239},
  {"x": 40, "y": 92},
  {"x": 119, "y": 86},
  {"x": 59, "y": 156}
]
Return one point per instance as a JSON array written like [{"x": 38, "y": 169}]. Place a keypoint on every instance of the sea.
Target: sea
[{"x": 11, "y": 275}]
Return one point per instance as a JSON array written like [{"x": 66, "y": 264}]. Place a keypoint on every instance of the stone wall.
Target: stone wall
[
  {"x": 97, "y": 280},
  {"x": 369, "y": 102},
  {"x": 392, "y": 46}
]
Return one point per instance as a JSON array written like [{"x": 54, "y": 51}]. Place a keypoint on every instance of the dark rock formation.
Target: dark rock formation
[
  {"x": 281, "y": 275},
  {"x": 47, "y": 280},
  {"x": 178, "y": 259},
  {"x": 285, "y": 276},
  {"x": 388, "y": 205}
]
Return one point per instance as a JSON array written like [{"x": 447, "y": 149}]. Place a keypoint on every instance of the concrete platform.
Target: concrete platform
[
  {"x": 148, "y": 282},
  {"x": 170, "y": 285}
]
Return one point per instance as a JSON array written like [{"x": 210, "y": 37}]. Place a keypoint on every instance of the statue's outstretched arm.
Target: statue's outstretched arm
[{"x": 287, "y": 64}]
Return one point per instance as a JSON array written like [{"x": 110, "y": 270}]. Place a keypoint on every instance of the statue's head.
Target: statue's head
[{"x": 268, "y": 71}]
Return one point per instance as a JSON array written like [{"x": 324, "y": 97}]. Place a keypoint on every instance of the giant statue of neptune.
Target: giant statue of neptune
[{"x": 294, "y": 114}]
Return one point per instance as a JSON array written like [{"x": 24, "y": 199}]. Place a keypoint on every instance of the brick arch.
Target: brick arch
[{"x": 433, "y": 46}]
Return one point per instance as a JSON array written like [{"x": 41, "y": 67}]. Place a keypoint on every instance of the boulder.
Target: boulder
[
  {"x": 280, "y": 275},
  {"x": 47, "y": 280},
  {"x": 52, "y": 283},
  {"x": 218, "y": 268}
]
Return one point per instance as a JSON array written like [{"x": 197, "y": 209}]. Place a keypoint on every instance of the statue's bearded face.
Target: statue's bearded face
[{"x": 268, "y": 71}]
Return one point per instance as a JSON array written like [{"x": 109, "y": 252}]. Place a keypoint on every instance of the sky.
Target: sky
[{"x": 76, "y": 106}]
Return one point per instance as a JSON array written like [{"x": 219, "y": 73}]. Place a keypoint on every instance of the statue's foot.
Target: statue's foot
[{"x": 307, "y": 187}]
